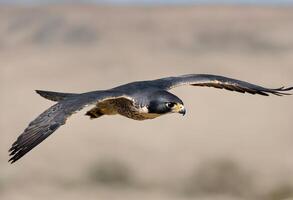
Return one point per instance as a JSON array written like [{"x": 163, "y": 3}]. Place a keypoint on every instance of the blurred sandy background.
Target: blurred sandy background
[{"x": 228, "y": 146}]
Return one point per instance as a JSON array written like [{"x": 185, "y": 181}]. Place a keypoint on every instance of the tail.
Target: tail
[{"x": 55, "y": 96}]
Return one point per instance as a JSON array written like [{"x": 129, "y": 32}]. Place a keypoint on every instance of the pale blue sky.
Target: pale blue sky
[{"x": 152, "y": 2}]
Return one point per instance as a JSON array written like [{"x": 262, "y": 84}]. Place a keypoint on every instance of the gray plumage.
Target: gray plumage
[{"x": 138, "y": 100}]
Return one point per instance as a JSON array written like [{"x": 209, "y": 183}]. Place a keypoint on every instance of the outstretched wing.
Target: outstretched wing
[
  {"x": 218, "y": 82},
  {"x": 51, "y": 119}
]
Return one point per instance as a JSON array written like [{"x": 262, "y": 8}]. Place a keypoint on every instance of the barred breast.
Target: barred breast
[{"x": 123, "y": 107}]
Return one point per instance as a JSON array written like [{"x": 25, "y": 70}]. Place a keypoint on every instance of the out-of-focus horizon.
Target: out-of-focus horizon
[
  {"x": 152, "y": 2},
  {"x": 229, "y": 146}
]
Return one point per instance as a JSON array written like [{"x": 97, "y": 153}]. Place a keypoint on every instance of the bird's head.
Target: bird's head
[{"x": 163, "y": 102}]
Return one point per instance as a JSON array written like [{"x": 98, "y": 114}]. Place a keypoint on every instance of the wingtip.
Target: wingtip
[
  {"x": 11, "y": 149},
  {"x": 15, "y": 157},
  {"x": 38, "y": 91},
  {"x": 282, "y": 91},
  {"x": 288, "y": 89},
  {"x": 11, "y": 160},
  {"x": 12, "y": 153}
]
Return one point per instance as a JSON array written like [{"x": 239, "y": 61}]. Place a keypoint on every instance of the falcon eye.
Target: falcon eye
[{"x": 170, "y": 104}]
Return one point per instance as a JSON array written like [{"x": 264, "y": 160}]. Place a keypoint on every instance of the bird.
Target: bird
[{"x": 140, "y": 100}]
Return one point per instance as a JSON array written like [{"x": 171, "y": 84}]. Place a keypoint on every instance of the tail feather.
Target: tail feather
[{"x": 54, "y": 96}]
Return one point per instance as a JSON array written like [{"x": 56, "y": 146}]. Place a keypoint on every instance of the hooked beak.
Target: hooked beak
[{"x": 179, "y": 108}]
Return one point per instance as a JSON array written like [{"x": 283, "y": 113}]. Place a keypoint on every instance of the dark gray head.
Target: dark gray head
[{"x": 162, "y": 102}]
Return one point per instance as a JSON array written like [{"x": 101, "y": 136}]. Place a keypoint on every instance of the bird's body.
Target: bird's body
[
  {"x": 122, "y": 106},
  {"x": 133, "y": 103},
  {"x": 139, "y": 100}
]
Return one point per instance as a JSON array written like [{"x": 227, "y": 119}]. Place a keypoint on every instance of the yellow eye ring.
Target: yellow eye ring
[{"x": 170, "y": 104}]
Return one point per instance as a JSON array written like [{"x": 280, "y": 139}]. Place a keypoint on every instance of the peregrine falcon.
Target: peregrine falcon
[{"x": 137, "y": 100}]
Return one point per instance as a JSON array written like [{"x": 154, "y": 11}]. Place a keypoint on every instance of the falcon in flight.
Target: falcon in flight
[{"x": 137, "y": 100}]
